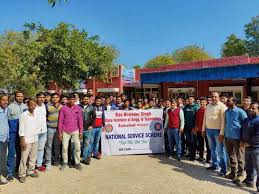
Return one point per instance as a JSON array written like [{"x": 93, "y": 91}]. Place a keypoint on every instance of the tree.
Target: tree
[
  {"x": 252, "y": 36},
  {"x": 30, "y": 59},
  {"x": 70, "y": 55},
  {"x": 159, "y": 61},
  {"x": 17, "y": 56},
  {"x": 190, "y": 54},
  {"x": 234, "y": 46}
]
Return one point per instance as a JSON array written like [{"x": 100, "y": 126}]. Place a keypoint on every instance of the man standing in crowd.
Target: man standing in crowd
[
  {"x": 88, "y": 115},
  {"x": 198, "y": 131},
  {"x": 40, "y": 112},
  {"x": 250, "y": 137},
  {"x": 64, "y": 100},
  {"x": 77, "y": 98},
  {"x": 224, "y": 98},
  {"x": 70, "y": 126},
  {"x": 98, "y": 123},
  {"x": 180, "y": 103},
  {"x": 246, "y": 104},
  {"x": 234, "y": 117},
  {"x": 107, "y": 104},
  {"x": 91, "y": 95},
  {"x": 47, "y": 98},
  {"x": 4, "y": 136},
  {"x": 214, "y": 126},
  {"x": 53, "y": 142},
  {"x": 14, "y": 111},
  {"x": 126, "y": 105},
  {"x": 190, "y": 111},
  {"x": 118, "y": 104},
  {"x": 174, "y": 124},
  {"x": 165, "y": 110},
  {"x": 28, "y": 131}
]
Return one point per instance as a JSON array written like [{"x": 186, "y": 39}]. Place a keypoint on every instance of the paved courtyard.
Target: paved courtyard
[{"x": 128, "y": 174}]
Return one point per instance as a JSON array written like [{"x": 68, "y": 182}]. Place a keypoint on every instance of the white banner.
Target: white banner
[{"x": 133, "y": 132}]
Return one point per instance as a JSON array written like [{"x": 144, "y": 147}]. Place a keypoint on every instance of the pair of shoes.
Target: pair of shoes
[
  {"x": 98, "y": 157},
  {"x": 55, "y": 163},
  {"x": 41, "y": 168},
  {"x": 3, "y": 182},
  {"x": 71, "y": 165},
  {"x": 87, "y": 161},
  {"x": 239, "y": 179},
  {"x": 22, "y": 179},
  {"x": 178, "y": 158},
  {"x": 63, "y": 166},
  {"x": 200, "y": 159},
  {"x": 246, "y": 183},
  {"x": 171, "y": 157},
  {"x": 231, "y": 176},
  {"x": 34, "y": 174},
  {"x": 221, "y": 173},
  {"x": 9, "y": 178},
  {"x": 78, "y": 167},
  {"x": 212, "y": 168},
  {"x": 192, "y": 159},
  {"x": 48, "y": 167}
]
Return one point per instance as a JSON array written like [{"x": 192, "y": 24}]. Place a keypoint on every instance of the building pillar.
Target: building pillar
[{"x": 248, "y": 87}]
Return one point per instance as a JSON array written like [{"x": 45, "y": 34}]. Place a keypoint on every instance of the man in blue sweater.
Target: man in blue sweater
[
  {"x": 14, "y": 110},
  {"x": 234, "y": 117},
  {"x": 250, "y": 137}
]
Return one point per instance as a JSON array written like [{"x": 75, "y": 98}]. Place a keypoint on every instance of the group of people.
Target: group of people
[
  {"x": 230, "y": 134},
  {"x": 48, "y": 130},
  {"x": 66, "y": 130}
]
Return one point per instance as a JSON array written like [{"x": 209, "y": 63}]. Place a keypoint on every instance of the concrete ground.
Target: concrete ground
[{"x": 128, "y": 174}]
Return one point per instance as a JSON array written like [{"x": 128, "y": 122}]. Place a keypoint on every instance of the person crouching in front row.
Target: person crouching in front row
[{"x": 28, "y": 131}]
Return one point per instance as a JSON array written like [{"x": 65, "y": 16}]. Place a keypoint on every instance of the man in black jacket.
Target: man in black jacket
[
  {"x": 250, "y": 137},
  {"x": 88, "y": 115}
]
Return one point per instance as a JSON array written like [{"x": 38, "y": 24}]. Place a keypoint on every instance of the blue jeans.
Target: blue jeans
[
  {"x": 87, "y": 142},
  {"x": 96, "y": 136},
  {"x": 52, "y": 146},
  {"x": 252, "y": 164},
  {"x": 14, "y": 153},
  {"x": 41, "y": 146},
  {"x": 174, "y": 139},
  {"x": 218, "y": 153}
]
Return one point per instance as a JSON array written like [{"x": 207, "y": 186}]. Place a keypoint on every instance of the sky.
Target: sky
[{"x": 140, "y": 29}]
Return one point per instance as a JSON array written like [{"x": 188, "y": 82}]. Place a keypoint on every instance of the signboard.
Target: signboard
[{"x": 133, "y": 132}]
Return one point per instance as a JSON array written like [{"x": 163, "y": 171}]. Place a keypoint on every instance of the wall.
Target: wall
[{"x": 116, "y": 83}]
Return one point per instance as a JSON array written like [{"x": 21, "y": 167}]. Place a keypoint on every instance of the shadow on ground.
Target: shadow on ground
[{"x": 197, "y": 171}]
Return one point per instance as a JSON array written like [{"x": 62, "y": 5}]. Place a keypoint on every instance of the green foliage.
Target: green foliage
[
  {"x": 250, "y": 45},
  {"x": 136, "y": 66},
  {"x": 36, "y": 56},
  {"x": 252, "y": 36},
  {"x": 159, "y": 61},
  {"x": 234, "y": 46},
  {"x": 190, "y": 54}
]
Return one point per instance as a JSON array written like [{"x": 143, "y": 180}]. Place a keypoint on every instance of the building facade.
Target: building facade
[{"x": 235, "y": 76}]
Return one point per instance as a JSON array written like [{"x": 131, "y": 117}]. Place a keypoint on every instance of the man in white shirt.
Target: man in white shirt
[
  {"x": 29, "y": 125},
  {"x": 41, "y": 113}
]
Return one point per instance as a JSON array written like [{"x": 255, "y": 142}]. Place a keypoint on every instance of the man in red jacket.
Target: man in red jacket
[
  {"x": 174, "y": 124},
  {"x": 198, "y": 131}
]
